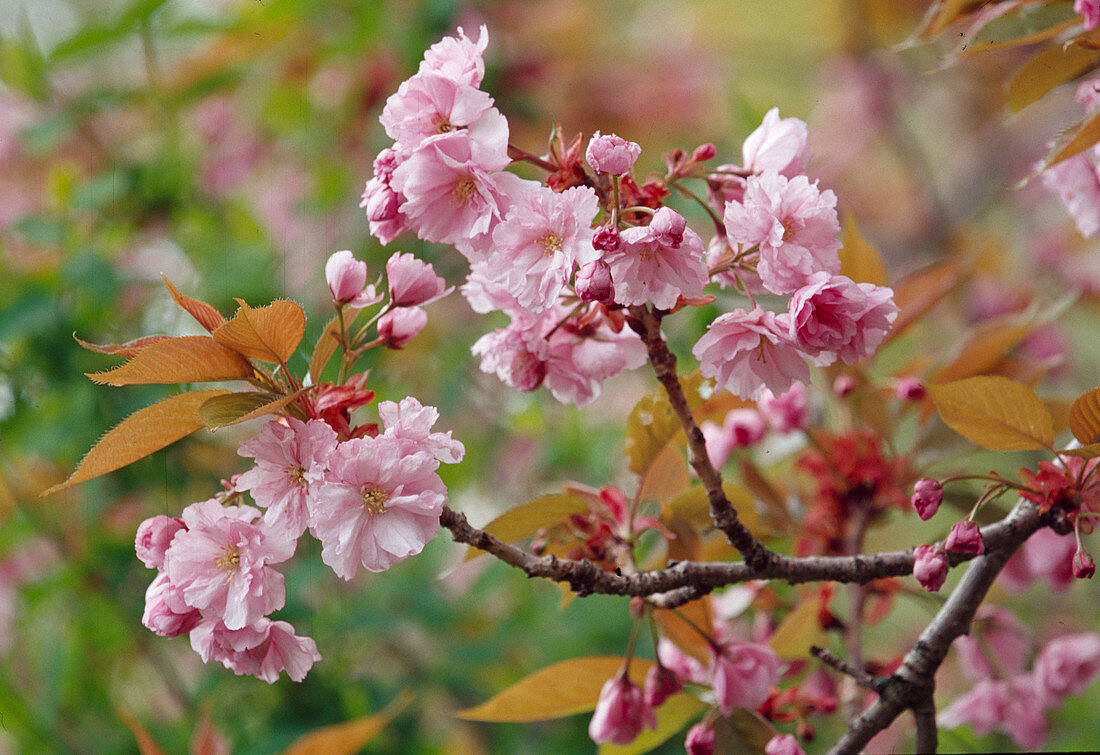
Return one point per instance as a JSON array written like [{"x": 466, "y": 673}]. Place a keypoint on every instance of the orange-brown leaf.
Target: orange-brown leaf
[
  {"x": 327, "y": 343},
  {"x": 207, "y": 316},
  {"x": 1073, "y": 141},
  {"x": 917, "y": 294},
  {"x": 222, "y": 411},
  {"x": 528, "y": 518},
  {"x": 270, "y": 334},
  {"x": 186, "y": 359},
  {"x": 145, "y": 743},
  {"x": 350, "y": 737},
  {"x": 995, "y": 412},
  {"x": 985, "y": 349},
  {"x": 681, "y": 632},
  {"x": 1084, "y": 417},
  {"x": 563, "y": 689},
  {"x": 125, "y": 350},
  {"x": 859, "y": 259},
  {"x": 1054, "y": 65},
  {"x": 144, "y": 432}
]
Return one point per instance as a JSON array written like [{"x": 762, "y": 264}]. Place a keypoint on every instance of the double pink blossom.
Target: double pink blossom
[
  {"x": 458, "y": 58},
  {"x": 927, "y": 497},
  {"x": 290, "y": 466},
  {"x": 786, "y": 412},
  {"x": 1066, "y": 666},
  {"x": 410, "y": 424},
  {"x": 794, "y": 224},
  {"x": 1012, "y": 706},
  {"x": 382, "y": 202},
  {"x": 413, "y": 282},
  {"x": 263, "y": 649},
  {"x": 377, "y": 506},
  {"x": 783, "y": 744},
  {"x": 965, "y": 537},
  {"x": 832, "y": 316},
  {"x": 658, "y": 263},
  {"x": 153, "y": 537},
  {"x": 777, "y": 144},
  {"x": 930, "y": 567},
  {"x": 399, "y": 326},
  {"x": 746, "y": 352},
  {"x": 431, "y": 103},
  {"x": 611, "y": 154},
  {"x": 347, "y": 280}
]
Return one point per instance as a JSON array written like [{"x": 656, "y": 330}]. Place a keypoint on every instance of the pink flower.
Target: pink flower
[
  {"x": 1044, "y": 554},
  {"x": 611, "y": 154},
  {"x": 290, "y": 464},
  {"x": 593, "y": 283},
  {"x": 620, "y": 713},
  {"x": 430, "y": 104},
  {"x": 1067, "y": 666},
  {"x": 451, "y": 189},
  {"x": 982, "y": 708},
  {"x": 377, "y": 506},
  {"x": 686, "y": 667},
  {"x": 543, "y": 237},
  {"x": 1024, "y": 719},
  {"x": 777, "y": 144},
  {"x": 995, "y": 634},
  {"x": 413, "y": 282},
  {"x": 606, "y": 238},
  {"x": 788, "y": 411},
  {"x": 458, "y": 58},
  {"x": 742, "y": 675},
  {"x": 410, "y": 424},
  {"x": 517, "y": 354},
  {"x": 219, "y": 565},
  {"x": 347, "y": 281},
  {"x": 166, "y": 612},
  {"x": 382, "y": 203},
  {"x": 1013, "y": 706},
  {"x": 930, "y": 567},
  {"x": 793, "y": 222},
  {"x": 832, "y": 316},
  {"x": 965, "y": 537},
  {"x": 719, "y": 443},
  {"x": 660, "y": 684},
  {"x": 1083, "y": 565},
  {"x": 263, "y": 649},
  {"x": 1090, "y": 9},
  {"x": 658, "y": 263},
  {"x": 910, "y": 389},
  {"x": 700, "y": 740},
  {"x": 927, "y": 497},
  {"x": 484, "y": 294},
  {"x": 399, "y": 326},
  {"x": 743, "y": 428},
  {"x": 1077, "y": 184},
  {"x": 747, "y": 351},
  {"x": 783, "y": 744},
  {"x": 154, "y": 535}
]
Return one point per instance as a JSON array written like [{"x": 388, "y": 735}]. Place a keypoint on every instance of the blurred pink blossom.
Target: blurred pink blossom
[
  {"x": 621, "y": 713},
  {"x": 743, "y": 674}
]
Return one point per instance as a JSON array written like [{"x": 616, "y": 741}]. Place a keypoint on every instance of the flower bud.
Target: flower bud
[
  {"x": 910, "y": 389},
  {"x": 965, "y": 537},
  {"x": 930, "y": 567},
  {"x": 843, "y": 386},
  {"x": 413, "y": 282},
  {"x": 660, "y": 684},
  {"x": 783, "y": 744},
  {"x": 606, "y": 239},
  {"x": 398, "y": 326},
  {"x": 788, "y": 411},
  {"x": 1083, "y": 565},
  {"x": 620, "y": 713},
  {"x": 611, "y": 154},
  {"x": 745, "y": 427},
  {"x": 154, "y": 535},
  {"x": 703, "y": 153},
  {"x": 669, "y": 226},
  {"x": 700, "y": 740},
  {"x": 347, "y": 279},
  {"x": 927, "y": 497},
  {"x": 382, "y": 204},
  {"x": 593, "y": 283}
]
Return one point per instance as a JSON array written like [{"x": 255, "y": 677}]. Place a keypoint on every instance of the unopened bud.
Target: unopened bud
[
  {"x": 927, "y": 497},
  {"x": 910, "y": 389},
  {"x": 593, "y": 283},
  {"x": 703, "y": 153},
  {"x": 965, "y": 537},
  {"x": 1083, "y": 565},
  {"x": 606, "y": 239},
  {"x": 930, "y": 567}
]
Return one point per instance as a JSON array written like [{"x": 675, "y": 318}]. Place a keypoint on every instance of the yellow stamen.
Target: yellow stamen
[
  {"x": 374, "y": 499},
  {"x": 463, "y": 191}
]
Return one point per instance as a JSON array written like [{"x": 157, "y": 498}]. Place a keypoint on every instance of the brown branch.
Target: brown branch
[
  {"x": 861, "y": 676},
  {"x": 911, "y": 686},
  {"x": 647, "y": 324}
]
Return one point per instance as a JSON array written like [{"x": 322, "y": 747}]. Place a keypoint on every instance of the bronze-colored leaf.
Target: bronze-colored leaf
[
  {"x": 1090, "y": 451},
  {"x": 125, "y": 350},
  {"x": 270, "y": 334},
  {"x": 666, "y": 476},
  {"x": 985, "y": 349},
  {"x": 528, "y": 518},
  {"x": 142, "y": 738},
  {"x": 186, "y": 359},
  {"x": 144, "y": 432},
  {"x": 652, "y": 422},
  {"x": 1054, "y": 65},
  {"x": 919, "y": 293},
  {"x": 328, "y": 342},
  {"x": 350, "y": 737},
  {"x": 1073, "y": 141},
  {"x": 799, "y": 631},
  {"x": 859, "y": 259},
  {"x": 684, "y": 634},
  {"x": 222, "y": 411},
  {"x": 563, "y": 689},
  {"x": 1084, "y": 417},
  {"x": 1024, "y": 23},
  {"x": 995, "y": 412},
  {"x": 206, "y": 315},
  {"x": 745, "y": 732}
]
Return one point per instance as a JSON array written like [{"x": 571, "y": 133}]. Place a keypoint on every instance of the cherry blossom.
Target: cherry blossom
[
  {"x": 621, "y": 713},
  {"x": 413, "y": 282},
  {"x": 832, "y": 316},
  {"x": 264, "y": 649},
  {"x": 347, "y": 281},
  {"x": 777, "y": 144},
  {"x": 930, "y": 567},
  {"x": 611, "y": 154},
  {"x": 153, "y": 537},
  {"x": 742, "y": 675},
  {"x": 410, "y": 424},
  {"x": 459, "y": 57},
  {"x": 748, "y": 351},
  {"x": 657, "y": 263}
]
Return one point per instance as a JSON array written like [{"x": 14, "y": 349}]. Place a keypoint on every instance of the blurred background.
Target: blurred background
[{"x": 226, "y": 144}]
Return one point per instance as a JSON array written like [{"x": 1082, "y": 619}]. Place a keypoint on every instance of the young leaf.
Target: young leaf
[
  {"x": 186, "y": 359},
  {"x": 693, "y": 506},
  {"x": 1026, "y": 23},
  {"x": 799, "y": 631},
  {"x": 745, "y": 731},
  {"x": 666, "y": 476},
  {"x": 682, "y": 633},
  {"x": 144, "y": 432},
  {"x": 222, "y": 411},
  {"x": 1072, "y": 141},
  {"x": 327, "y": 343},
  {"x": 917, "y": 294},
  {"x": 563, "y": 689},
  {"x": 672, "y": 716},
  {"x": 1084, "y": 417},
  {"x": 270, "y": 334},
  {"x": 1090, "y": 451},
  {"x": 125, "y": 350},
  {"x": 1053, "y": 66},
  {"x": 985, "y": 349},
  {"x": 527, "y": 518},
  {"x": 350, "y": 737},
  {"x": 207, "y": 316},
  {"x": 859, "y": 259},
  {"x": 995, "y": 412},
  {"x": 652, "y": 423}
]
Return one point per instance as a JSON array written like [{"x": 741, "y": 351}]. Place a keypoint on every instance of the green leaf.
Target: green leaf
[
  {"x": 1027, "y": 23},
  {"x": 563, "y": 689},
  {"x": 672, "y": 716},
  {"x": 22, "y": 66},
  {"x": 995, "y": 412},
  {"x": 799, "y": 631},
  {"x": 528, "y": 518}
]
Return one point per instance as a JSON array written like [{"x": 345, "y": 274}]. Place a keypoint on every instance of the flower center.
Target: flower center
[
  {"x": 442, "y": 125},
  {"x": 462, "y": 192},
  {"x": 296, "y": 476},
  {"x": 374, "y": 499},
  {"x": 229, "y": 561},
  {"x": 551, "y": 243},
  {"x": 649, "y": 254}
]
